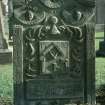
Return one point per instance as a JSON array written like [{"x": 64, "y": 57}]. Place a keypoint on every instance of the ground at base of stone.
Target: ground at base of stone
[{"x": 5, "y": 56}]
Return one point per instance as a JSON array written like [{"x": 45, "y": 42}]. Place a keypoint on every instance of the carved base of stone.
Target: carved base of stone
[
  {"x": 5, "y": 56},
  {"x": 101, "y": 51}
]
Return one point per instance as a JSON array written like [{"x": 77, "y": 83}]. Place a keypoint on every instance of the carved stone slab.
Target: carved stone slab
[{"x": 53, "y": 50}]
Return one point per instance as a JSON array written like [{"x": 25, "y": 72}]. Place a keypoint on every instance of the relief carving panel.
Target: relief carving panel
[{"x": 54, "y": 47}]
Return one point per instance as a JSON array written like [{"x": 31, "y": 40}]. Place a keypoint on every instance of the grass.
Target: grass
[
  {"x": 100, "y": 62},
  {"x": 100, "y": 71},
  {"x": 6, "y": 81}
]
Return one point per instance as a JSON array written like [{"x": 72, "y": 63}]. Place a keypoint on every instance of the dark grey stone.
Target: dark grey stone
[
  {"x": 54, "y": 55},
  {"x": 99, "y": 28},
  {"x": 100, "y": 8},
  {"x": 5, "y": 56}
]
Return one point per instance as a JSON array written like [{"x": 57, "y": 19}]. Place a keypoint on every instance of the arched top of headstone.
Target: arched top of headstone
[{"x": 74, "y": 12}]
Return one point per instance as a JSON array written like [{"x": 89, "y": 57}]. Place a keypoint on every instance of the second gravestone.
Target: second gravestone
[
  {"x": 5, "y": 54},
  {"x": 101, "y": 51}
]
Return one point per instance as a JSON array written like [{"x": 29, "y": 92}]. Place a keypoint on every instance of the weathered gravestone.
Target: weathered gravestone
[
  {"x": 53, "y": 52},
  {"x": 100, "y": 9},
  {"x": 100, "y": 16},
  {"x": 101, "y": 51},
  {"x": 5, "y": 54}
]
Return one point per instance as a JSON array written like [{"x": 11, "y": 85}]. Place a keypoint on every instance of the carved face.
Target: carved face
[{"x": 29, "y": 15}]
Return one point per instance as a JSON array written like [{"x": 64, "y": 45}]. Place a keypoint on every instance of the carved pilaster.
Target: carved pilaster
[{"x": 18, "y": 66}]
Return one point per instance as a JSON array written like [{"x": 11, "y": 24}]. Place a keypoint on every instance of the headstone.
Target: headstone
[
  {"x": 54, "y": 54},
  {"x": 101, "y": 51},
  {"x": 3, "y": 8},
  {"x": 100, "y": 9},
  {"x": 100, "y": 16},
  {"x": 5, "y": 54}
]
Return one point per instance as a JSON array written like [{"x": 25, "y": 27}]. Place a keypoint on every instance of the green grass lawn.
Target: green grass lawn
[
  {"x": 6, "y": 73},
  {"x": 6, "y": 81},
  {"x": 100, "y": 62}
]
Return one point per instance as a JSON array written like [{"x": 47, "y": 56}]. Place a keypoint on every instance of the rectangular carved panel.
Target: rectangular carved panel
[
  {"x": 54, "y": 56},
  {"x": 54, "y": 89}
]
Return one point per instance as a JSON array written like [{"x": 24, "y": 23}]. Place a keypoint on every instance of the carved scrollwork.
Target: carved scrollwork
[
  {"x": 52, "y": 3},
  {"x": 80, "y": 14},
  {"x": 76, "y": 17},
  {"x": 30, "y": 53},
  {"x": 58, "y": 62},
  {"x": 60, "y": 24},
  {"x": 76, "y": 48}
]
